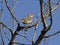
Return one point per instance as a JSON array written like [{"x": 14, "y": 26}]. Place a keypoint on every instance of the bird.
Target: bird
[{"x": 27, "y": 19}]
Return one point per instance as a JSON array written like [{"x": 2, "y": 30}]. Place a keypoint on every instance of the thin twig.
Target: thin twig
[
  {"x": 11, "y": 12},
  {"x": 25, "y": 37},
  {"x": 56, "y": 6},
  {"x": 51, "y": 34},
  {"x": 2, "y": 4},
  {"x": 53, "y": 8},
  {"x": 7, "y": 27},
  {"x": 34, "y": 35},
  {"x": 12, "y": 19},
  {"x": 14, "y": 6},
  {"x": 15, "y": 42},
  {"x": 6, "y": 35},
  {"x": 2, "y": 39},
  {"x": 50, "y": 13}
]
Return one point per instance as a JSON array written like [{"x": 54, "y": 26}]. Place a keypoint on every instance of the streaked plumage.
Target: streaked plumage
[{"x": 28, "y": 19}]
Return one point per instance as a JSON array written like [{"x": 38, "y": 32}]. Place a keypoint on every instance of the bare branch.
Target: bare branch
[
  {"x": 50, "y": 13},
  {"x": 2, "y": 3},
  {"x": 15, "y": 42},
  {"x": 45, "y": 42},
  {"x": 43, "y": 32},
  {"x": 53, "y": 8},
  {"x": 14, "y": 6},
  {"x": 11, "y": 12},
  {"x": 2, "y": 40},
  {"x": 42, "y": 13},
  {"x": 25, "y": 37},
  {"x": 19, "y": 28},
  {"x": 56, "y": 6},
  {"x": 6, "y": 35},
  {"x": 52, "y": 34},
  {"x": 34, "y": 35},
  {"x": 7, "y": 27},
  {"x": 12, "y": 19}
]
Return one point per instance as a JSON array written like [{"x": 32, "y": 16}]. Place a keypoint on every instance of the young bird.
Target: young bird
[{"x": 28, "y": 19}]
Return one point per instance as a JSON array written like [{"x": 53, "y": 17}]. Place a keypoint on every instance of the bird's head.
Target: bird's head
[{"x": 31, "y": 15}]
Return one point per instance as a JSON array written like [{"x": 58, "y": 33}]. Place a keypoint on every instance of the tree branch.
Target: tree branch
[
  {"x": 25, "y": 37},
  {"x": 34, "y": 35},
  {"x": 2, "y": 40},
  {"x": 54, "y": 7},
  {"x": 20, "y": 43},
  {"x": 42, "y": 13},
  {"x": 7, "y": 27},
  {"x": 11, "y": 12},
  {"x": 52, "y": 34},
  {"x": 44, "y": 31}
]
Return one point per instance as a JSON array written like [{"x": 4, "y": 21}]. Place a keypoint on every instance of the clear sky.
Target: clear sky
[{"x": 25, "y": 7}]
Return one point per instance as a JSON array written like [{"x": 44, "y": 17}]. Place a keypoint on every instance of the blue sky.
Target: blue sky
[{"x": 25, "y": 7}]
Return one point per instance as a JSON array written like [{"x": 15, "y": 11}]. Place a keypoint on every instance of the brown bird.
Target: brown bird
[{"x": 28, "y": 19}]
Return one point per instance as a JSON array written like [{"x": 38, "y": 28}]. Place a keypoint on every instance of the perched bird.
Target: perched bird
[{"x": 28, "y": 19}]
